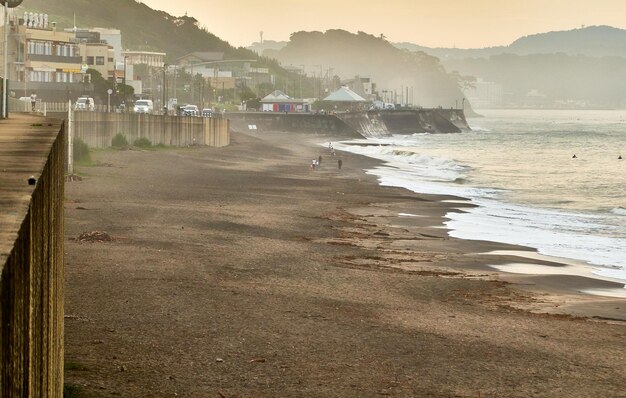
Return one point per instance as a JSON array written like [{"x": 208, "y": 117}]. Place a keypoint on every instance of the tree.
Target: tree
[{"x": 101, "y": 86}]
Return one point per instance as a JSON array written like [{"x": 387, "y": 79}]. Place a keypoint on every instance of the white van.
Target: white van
[
  {"x": 144, "y": 106},
  {"x": 85, "y": 104}
]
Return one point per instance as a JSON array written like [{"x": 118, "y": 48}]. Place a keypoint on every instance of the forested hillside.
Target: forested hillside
[
  {"x": 349, "y": 54},
  {"x": 142, "y": 27}
]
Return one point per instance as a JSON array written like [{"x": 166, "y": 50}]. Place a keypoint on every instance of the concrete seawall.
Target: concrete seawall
[
  {"x": 301, "y": 122},
  {"x": 31, "y": 256},
  {"x": 355, "y": 124}
]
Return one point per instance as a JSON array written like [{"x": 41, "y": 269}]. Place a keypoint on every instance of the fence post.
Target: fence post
[{"x": 70, "y": 139}]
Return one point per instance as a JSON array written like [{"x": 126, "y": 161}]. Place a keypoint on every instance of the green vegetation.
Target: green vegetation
[
  {"x": 391, "y": 69},
  {"x": 119, "y": 141},
  {"x": 142, "y": 27},
  {"x": 101, "y": 85},
  {"x": 70, "y": 365},
  {"x": 142, "y": 142},
  {"x": 80, "y": 151},
  {"x": 344, "y": 54},
  {"x": 71, "y": 391}
]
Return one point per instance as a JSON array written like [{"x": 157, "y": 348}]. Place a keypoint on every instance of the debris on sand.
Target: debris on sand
[
  {"x": 94, "y": 236},
  {"x": 72, "y": 178}
]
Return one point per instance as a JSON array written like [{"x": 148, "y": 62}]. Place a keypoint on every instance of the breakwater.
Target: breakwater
[{"x": 354, "y": 124}]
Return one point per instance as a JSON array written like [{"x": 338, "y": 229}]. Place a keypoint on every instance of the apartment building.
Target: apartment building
[{"x": 43, "y": 60}]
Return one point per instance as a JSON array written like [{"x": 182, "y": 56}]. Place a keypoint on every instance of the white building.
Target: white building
[
  {"x": 113, "y": 37},
  {"x": 485, "y": 94}
]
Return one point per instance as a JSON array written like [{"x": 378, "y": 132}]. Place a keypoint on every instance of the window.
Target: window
[
  {"x": 99, "y": 60},
  {"x": 110, "y": 59},
  {"x": 89, "y": 60}
]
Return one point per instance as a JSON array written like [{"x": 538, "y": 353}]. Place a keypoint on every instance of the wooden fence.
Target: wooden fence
[
  {"x": 97, "y": 129},
  {"x": 31, "y": 256}
]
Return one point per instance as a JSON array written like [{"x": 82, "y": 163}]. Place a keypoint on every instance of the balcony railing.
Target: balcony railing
[{"x": 55, "y": 58}]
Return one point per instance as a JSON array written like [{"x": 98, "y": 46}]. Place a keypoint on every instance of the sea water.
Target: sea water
[{"x": 518, "y": 166}]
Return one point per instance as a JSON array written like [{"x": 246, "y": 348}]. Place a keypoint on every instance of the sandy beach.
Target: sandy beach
[{"x": 239, "y": 272}]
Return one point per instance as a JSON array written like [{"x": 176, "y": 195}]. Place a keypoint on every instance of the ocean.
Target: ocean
[{"x": 518, "y": 166}]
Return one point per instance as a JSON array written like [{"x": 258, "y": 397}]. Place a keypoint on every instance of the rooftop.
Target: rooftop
[{"x": 344, "y": 94}]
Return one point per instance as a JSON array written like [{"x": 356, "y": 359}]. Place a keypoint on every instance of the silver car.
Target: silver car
[{"x": 189, "y": 110}]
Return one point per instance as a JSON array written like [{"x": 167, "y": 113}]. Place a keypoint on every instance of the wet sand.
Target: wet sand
[{"x": 238, "y": 272}]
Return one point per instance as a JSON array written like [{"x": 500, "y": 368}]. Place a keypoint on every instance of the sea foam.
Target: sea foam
[{"x": 551, "y": 232}]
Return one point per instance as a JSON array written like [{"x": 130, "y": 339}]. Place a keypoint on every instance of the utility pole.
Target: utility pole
[
  {"x": 175, "y": 92},
  {"x": 301, "y": 73},
  {"x": 164, "y": 88}
]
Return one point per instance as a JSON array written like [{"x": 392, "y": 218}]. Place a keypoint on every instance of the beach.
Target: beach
[{"x": 239, "y": 272}]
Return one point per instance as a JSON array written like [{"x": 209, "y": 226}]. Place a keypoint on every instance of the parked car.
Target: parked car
[
  {"x": 207, "y": 112},
  {"x": 189, "y": 110},
  {"x": 144, "y": 106},
  {"x": 85, "y": 104}
]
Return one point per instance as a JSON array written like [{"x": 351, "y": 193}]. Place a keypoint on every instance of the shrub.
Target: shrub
[
  {"x": 80, "y": 151},
  {"x": 71, "y": 391},
  {"x": 119, "y": 141},
  {"x": 142, "y": 142}
]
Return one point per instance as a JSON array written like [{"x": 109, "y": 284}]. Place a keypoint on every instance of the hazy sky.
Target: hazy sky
[{"x": 434, "y": 23}]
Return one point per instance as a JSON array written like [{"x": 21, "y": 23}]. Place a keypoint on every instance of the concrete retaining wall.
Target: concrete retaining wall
[
  {"x": 354, "y": 124},
  {"x": 97, "y": 129},
  {"x": 31, "y": 256},
  {"x": 295, "y": 122}
]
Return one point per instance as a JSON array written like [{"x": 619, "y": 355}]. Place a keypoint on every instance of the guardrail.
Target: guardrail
[{"x": 31, "y": 257}]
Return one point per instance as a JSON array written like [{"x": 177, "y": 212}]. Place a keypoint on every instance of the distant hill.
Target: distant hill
[
  {"x": 598, "y": 41},
  {"x": 595, "y": 41},
  {"x": 585, "y": 67},
  {"x": 362, "y": 54},
  {"x": 551, "y": 79},
  {"x": 452, "y": 53}
]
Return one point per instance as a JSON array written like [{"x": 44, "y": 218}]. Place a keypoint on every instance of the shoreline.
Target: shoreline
[
  {"x": 604, "y": 287},
  {"x": 237, "y": 271}
]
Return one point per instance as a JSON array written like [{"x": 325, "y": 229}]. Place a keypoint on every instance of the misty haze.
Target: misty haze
[{"x": 331, "y": 199}]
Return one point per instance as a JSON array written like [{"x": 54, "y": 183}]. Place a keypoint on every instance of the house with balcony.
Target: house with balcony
[
  {"x": 44, "y": 60},
  {"x": 96, "y": 53},
  {"x": 278, "y": 101},
  {"x": 149, "y": 58}
]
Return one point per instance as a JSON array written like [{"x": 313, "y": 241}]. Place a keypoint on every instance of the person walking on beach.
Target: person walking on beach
[
  {"x": 339, "y": 164},
  {"x": 319, "y": 160},
  {"x": 33, "y": 101}
]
